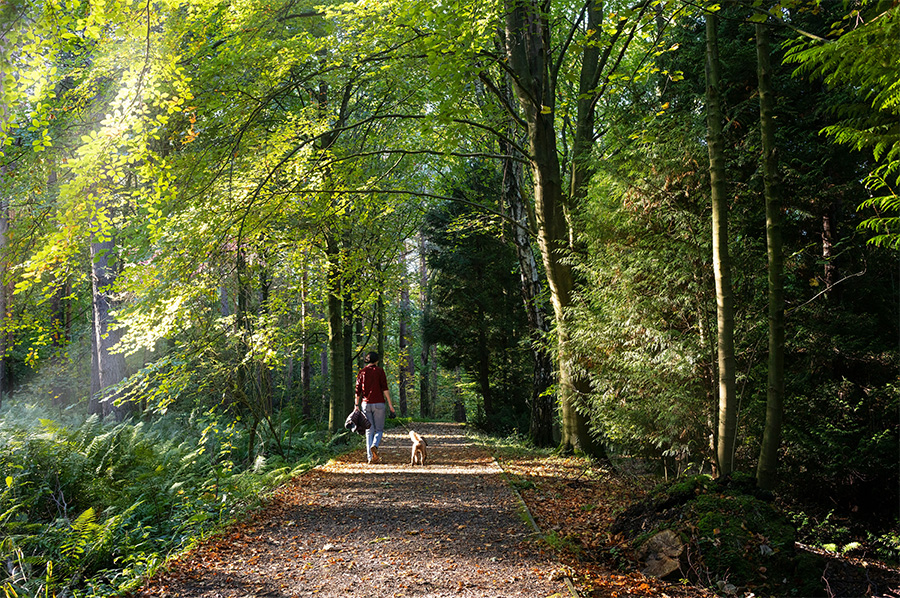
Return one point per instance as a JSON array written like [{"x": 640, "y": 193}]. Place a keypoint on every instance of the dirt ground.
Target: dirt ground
[
  {"x": 457, "y": 527},
  {"x": 452, "y": 528}
]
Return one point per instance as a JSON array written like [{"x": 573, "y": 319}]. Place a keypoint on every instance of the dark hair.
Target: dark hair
[{"x": 372, "y": 357}]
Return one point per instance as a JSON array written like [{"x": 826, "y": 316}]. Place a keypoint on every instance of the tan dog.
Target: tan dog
[{"x": 418, "y": 449}]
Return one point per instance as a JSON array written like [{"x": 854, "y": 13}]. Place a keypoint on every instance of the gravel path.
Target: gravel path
[{"x": 452, "y": 528}]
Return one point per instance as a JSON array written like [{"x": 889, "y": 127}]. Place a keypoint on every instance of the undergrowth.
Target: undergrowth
[{"x": 89, "y": 507}]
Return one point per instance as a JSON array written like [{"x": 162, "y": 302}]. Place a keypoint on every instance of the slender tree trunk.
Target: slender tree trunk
[
  {"x": 4, "y": 275},
  {"x": 95, "y": 407},
  {"x": 335, "y": 337},
  {"x": 305, "y": 367},
  {"x": 110, "y": 366},
  {"x": 288, "y": 382},
  {"x": 379, "y": 323},
  {"x": 264, "y": 372},
  {"x": 348, "y": 365},
  {"x": 325, "y": 372},
  {"x": 459, "y": 405},
  {"x": 246, "y": 376},
  {"x": 426, "y": 404},
  {"x": 766, "y": 471},
  {"x": 727, "y": 424},
  {"x": 4, "y": 225},
  {"x": 484, "y": 373},
  {"x": 405, "y": 359}
]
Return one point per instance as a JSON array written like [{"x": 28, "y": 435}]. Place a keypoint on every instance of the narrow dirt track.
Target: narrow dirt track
[{"x": 452, "y": 528}]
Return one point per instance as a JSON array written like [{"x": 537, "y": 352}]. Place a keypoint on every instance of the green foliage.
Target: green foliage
[
  {"x": 478, "y": 319},
  {"x": 858, "y": 60},
  {"x": 100, "y": 505}
]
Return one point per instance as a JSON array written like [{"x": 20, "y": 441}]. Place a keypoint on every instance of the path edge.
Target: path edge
[{"x": 523, "y": 508}]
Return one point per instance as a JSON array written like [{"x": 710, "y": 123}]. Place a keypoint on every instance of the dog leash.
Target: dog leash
[{"x": 402, "y": 425}]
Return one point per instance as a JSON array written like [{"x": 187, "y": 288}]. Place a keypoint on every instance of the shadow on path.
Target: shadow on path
[{"x": 452, "y": 528}]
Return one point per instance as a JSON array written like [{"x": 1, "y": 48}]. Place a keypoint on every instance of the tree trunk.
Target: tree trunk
[
  {"x": 459, "y": 405},
  {"x": 404, "y": 359},
  {"x": 265, "y": 385},
  {"x": 767, "y": 467},
  {"x": 727, "y": 420},
  {"x": 95, "y": 407},
  {"x": 348, "y": 365},
  {"x": 326, "y": 375},
  {"x": 379, "y": 324},
  {"x": 306, "y": 366},
  {"x": 4, "y": 274},
  {"x": 828, "y": 243},
  {"x": 426, "y": 403},
  {"x": 110, "y": 366},
  {"x": 527, "y": 36},
  {"x": 542, "y": 401},
  {"x": 335, "y": 337},
  {"x": 484, "y": 379}
]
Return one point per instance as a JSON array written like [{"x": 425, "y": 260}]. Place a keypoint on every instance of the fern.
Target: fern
[{"x": 84, "y": 529}]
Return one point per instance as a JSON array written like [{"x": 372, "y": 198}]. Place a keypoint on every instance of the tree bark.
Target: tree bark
[
  {"x": 528, "y": 47},
  {"x": 426, "y": 401},
  {"x": 484, "y": 379},
  {"x": 379, "y": 323},
  {"x": 542, "y": 401},
  {"x": 404, "y": 359},
  {"x": 349, "y": 366},
  {"x": 110, "y": 366},
  {"x": 727, "y": 420},
  {"x": 335, "y": 336},
  {"x": 306, "y": 366},
  {"x": 767, "y": 467},
  {"x": 95, "y": 407},
  {"x": 4, "y": 274},
  {"x": 4, "y": 226}
]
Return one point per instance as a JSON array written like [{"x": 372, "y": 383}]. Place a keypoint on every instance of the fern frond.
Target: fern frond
[{"x": 83, "y": 530}]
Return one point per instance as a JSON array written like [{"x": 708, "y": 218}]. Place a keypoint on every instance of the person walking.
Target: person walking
[{"x": 372, "y": 391}]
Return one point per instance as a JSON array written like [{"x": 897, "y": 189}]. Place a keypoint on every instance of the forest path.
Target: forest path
[{"x": 452, "y": 528}]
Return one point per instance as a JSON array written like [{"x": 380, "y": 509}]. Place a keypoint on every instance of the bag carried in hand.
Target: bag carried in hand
[{"x": 357, "y": 422}]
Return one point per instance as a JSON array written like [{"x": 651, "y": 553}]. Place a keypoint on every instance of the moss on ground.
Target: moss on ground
[{"x": 732, "y": 534}]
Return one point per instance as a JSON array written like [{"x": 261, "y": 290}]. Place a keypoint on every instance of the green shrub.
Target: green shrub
[{"x": 89, "y": 507}]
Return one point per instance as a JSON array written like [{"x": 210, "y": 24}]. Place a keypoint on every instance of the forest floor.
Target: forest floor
[{"x": 457, "y": 527}]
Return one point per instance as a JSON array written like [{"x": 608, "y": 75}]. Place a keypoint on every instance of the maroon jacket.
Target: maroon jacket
[{"x": 371, "y": 384}]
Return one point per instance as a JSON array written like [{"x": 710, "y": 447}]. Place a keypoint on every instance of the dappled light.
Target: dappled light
[{"x": 641, "y": 253}]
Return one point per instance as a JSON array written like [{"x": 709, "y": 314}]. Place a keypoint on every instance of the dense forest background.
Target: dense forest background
[{"x": 655, "y": 230}]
